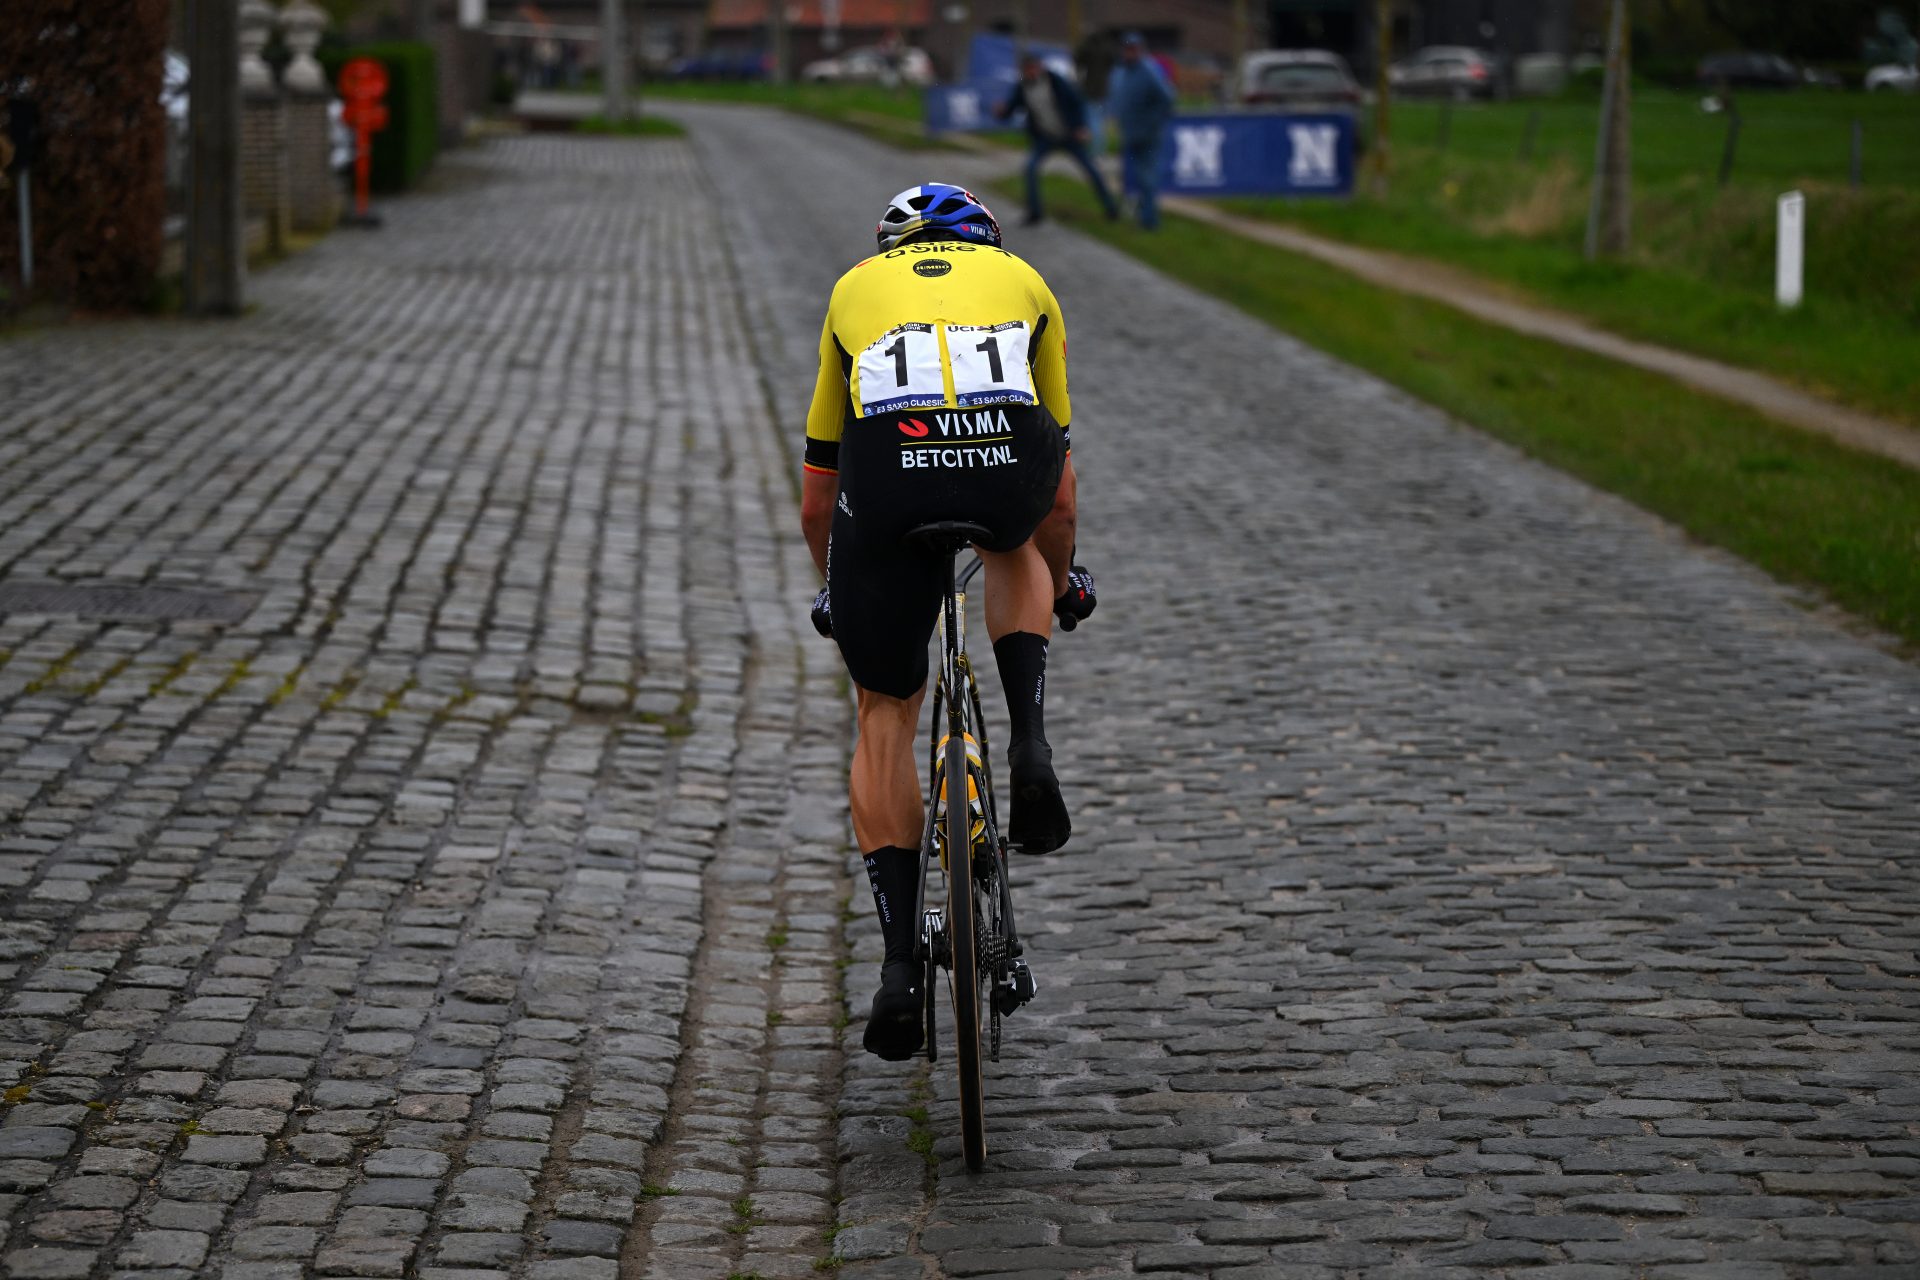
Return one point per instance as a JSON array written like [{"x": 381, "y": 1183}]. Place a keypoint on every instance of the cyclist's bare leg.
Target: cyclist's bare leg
[
  {"x": 1020, "y": 592},
  {"x": 1055, "y": 535},
  {"x": 885, "y": 794},
  {"x": 884, "y": 788}
]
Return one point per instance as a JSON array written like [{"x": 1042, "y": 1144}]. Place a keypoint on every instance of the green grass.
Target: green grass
[
  {"x": 1700, "y": 276},
  {"x": 1784, "y": 137},
  {"x": 1805, "y": 509},
  {"x": 633, "y": 127}
]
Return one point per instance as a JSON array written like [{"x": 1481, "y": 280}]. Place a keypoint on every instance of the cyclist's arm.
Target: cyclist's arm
[
  {"x": 1050, "y": 361},
  {"x": 825, "y": 421},
  {"x": 817, "y": 489},
  {"x": 1055, "y": 535}
]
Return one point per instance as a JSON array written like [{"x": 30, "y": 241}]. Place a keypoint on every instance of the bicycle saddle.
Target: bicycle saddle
[{"x": 948, "y": 537}]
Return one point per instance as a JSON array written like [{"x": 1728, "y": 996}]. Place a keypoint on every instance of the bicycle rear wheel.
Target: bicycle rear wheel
[{"x": 961, "y": 910}]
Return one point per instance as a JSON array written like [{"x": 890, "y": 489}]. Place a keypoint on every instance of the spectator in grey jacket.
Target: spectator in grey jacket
[{"x": 1056, "y": 117}]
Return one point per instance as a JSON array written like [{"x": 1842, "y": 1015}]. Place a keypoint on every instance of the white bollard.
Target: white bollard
[{"x": 1792, "y": 249}]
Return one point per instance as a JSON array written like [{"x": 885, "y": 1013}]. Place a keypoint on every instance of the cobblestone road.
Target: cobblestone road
[
  {"x": 356, "y": 938},
  {"x": 1473, "y": 877}
]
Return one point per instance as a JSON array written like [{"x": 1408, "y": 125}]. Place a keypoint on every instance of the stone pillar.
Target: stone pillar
[
  {"x": 313, "y": 187},
  {"x": 263, "y": 130}
]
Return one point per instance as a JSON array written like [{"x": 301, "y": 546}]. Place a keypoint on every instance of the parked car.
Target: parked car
[
  {"x": 1892, "y": 78},
  {"x": 1540, "y": 75},
  {"x": 1301, "y": 79},
  {"x": 340, "y": 142},
  {"x": 1749, "y": 71},
  {"x": 872, "y": 64},
  {"x": 1446, "y": 71},
  {"x": 724, "y": 66},
  {"x": 173, "y": 102}
]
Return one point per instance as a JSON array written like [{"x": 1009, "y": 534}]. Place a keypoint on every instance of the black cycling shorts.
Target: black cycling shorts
[{"x": 997, "y": 466}]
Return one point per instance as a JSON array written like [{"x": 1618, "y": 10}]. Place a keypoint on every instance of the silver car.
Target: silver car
[
  {"x": 1445, "y": 71},
  {"x": 1299, "y": 79},
  {"x": 1892, "y": 78}
]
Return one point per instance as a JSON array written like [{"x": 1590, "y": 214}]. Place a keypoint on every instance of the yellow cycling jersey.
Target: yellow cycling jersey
[{"x": 941, "y": 324}]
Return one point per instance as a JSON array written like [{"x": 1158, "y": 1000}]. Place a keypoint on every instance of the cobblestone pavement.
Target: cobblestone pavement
[
  {"x": 1472, "y": 877},
  {"x": 356, "y": 937}
]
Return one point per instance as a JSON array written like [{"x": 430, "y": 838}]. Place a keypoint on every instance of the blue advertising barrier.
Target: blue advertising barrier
[
  {"x": 962, "y": 107},
  {"x": 1255, "y": 153}
]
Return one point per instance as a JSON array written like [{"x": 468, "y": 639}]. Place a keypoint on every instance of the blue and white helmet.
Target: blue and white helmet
[{"x": 936, "y": 206}]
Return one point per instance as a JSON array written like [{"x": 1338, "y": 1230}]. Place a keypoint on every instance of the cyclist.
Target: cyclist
[{"x": 941, "y": 395}]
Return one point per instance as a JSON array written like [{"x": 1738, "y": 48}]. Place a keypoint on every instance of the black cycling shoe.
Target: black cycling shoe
[
  {"x": 1038, "y": 823},
  {"x": 896, "y": 1028}
]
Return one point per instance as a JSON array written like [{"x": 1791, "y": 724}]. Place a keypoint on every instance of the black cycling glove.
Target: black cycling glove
[
  {"x": 823, "y": 614},
  {"x": 1078, "y": 600}
]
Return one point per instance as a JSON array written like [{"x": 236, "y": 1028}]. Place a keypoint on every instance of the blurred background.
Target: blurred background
[{"x": 1733, "y": 100}]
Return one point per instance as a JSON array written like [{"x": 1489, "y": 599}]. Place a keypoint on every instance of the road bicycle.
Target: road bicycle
[{"x": 972, "y": 936}]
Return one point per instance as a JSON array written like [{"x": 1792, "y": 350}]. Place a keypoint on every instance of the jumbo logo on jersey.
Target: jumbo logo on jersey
[
  {"x": 913, "y": 427},
  {"x": 932, "y": 267}
]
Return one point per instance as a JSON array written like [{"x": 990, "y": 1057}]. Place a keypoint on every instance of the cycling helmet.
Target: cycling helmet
[{"x": 936, "y": 206}]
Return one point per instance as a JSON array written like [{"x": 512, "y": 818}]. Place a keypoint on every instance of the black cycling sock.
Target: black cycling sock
[
  {"x": 894, "y": 874},
  {"x": 1022, "y": 656}
]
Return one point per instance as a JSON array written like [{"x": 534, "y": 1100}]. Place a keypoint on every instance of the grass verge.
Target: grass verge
[
  {"x": 1700, "y": 277},
  {"x": 1501, "y": 189},
  {"x": 633, "y": 127},
  {"x": 1805, "y": 509}
]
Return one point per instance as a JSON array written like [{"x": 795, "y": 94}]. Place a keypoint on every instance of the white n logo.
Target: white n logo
[
  {"x": 1314, "y": 148},
  {"x": 964, "y": 108},
  {"x": 1196, "y": 156}
]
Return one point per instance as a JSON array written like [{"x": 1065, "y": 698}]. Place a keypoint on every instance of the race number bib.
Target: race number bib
[
  {"x": 901, "y": 370},
  {"x": 990, "y": 363}
]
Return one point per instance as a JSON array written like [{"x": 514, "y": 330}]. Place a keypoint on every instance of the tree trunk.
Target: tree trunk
[
  {"x": 1610, "y": 218},
  {"x": 613, "y": 60},
  {"x": 1378, "y": 149},
  {"x": 777, "y": 15}
]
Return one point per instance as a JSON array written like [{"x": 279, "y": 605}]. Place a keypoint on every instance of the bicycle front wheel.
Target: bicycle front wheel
[{"x": 961, "y": 910}]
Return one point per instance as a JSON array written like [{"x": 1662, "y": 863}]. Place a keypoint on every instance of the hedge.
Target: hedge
[
  {"x": 404, "y": 150},
  {"x": 99, "y": 186}
]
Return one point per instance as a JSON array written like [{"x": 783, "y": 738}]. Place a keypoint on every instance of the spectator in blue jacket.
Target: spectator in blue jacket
[
  {"x": 1056, "y": 117},
  {"x": 1140, "y": 103}
]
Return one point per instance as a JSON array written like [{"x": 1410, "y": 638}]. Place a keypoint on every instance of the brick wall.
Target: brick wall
[
  {"x": 264, "y": 175},
  {"x": 313, "y": 188}
]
